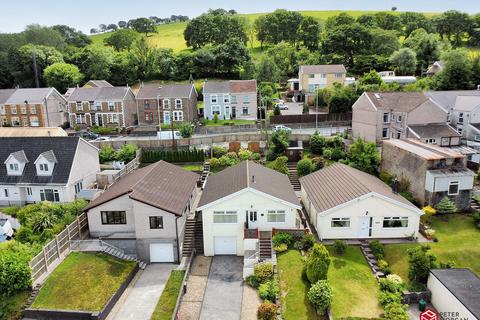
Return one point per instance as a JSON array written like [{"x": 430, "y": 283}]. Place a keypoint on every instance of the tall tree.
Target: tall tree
[
  {"x": 267, "y": 70},
  {"x": 144, "y": 58},
  {"x": 309, "y": 33},
  {"x": 427, "y": 47},
  {"x": 122, "y": 39},
  {"x": 46, "y": 36},
  {"x": 95, "y": 61},
  {"x": 457, "y": 73},
  {"x": 280, "y": 25},
  {"x": 454, "y": 25},
  {"x": 404, "y": 61},
  {"x": 144, "y": 25},
  {"x": 387, "y": 21},
  {"x": 73, "y": 37},
  {"x": 62, "y": 76},
  {"x": 411, "y": 21}
]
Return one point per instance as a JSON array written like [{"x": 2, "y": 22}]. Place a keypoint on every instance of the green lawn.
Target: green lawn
[
  {"x": 83, "y": 281},
  {"x": 168, "y": 299},
  {"x": 458, "y": 241},
  {"x": 192, "y": 167},
  {"x": 295, "y": 304},
  {"x": 355, "y": 289},
  {"x": 210, "y": 123},
  {"x": 11, "y": 306}
]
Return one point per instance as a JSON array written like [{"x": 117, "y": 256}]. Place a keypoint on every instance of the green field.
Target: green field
[{"x": 171, "y": 35}]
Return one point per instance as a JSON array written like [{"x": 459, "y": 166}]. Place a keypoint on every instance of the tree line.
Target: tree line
[{"x": 134, "y": 23}]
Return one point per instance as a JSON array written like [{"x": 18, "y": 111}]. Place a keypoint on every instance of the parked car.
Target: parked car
[
  {"x": 276, "y": 100},
  {"x": 281, "y": 127},
  {"x": 282, "y": 106},
  {"x": 102, "y": 138},
  {"x": 89, "y": 135}
]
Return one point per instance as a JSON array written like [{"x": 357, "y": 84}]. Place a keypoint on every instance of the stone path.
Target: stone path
[{"x": 191, "y": 304}]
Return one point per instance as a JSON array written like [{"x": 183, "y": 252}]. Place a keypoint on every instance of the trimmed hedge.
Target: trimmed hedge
[{"x": 194, "y": 155}]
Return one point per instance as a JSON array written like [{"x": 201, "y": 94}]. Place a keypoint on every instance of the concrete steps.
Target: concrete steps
[
  {"x": 293, "y": 176},
  {"x": 120, "y": 254},
  {"x": 189, "y": 237},
  {"x": 371, "y": 260},
  {"x": 474, "y": 204}
]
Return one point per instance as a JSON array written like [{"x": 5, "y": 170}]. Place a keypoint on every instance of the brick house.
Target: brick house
[
  {"x": 32, "y": 107},
  {"x": 102, "y": 106},
  {"x": 159, "y": 104}
]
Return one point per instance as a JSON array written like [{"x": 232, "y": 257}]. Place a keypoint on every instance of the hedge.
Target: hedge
[{"x": 194, "y": 155}]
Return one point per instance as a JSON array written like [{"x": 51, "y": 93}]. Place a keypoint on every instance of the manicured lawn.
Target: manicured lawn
[
  {"x": 355, "y": 290},
  {"x": 458, "y": 242},
  {"x": 295, "y": 304},
  {"x": 168, "y": 299},
  {"x": 192, "y": 167},
  {"x": 211, "y": 123},
  {"x": 83, "y": 281},
  {"x": 11, "y": 306}
]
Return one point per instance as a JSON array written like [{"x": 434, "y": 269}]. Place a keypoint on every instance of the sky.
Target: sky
[{"x": 86, "y": 14}]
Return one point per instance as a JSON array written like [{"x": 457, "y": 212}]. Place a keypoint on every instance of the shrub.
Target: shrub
[
  {"x": 279, "y": 164},
  {"x": 282, "y": 238},
  {"x": 387, "y": 297},
  {"x": 307, "y": 242},
  {"x": 317, "y": 263},
  {"x": 318, "y": 162},
  {"x": 126, "y": 153},
  {"x": 218, "y": 151},
  {"x": 15, "y": 272},
  {"x": 383, "y": 265},
  {"x": 377, "y": 249},
  {"x": 340, "y": 246},
  {"x": 226, "y": 161},
  {"x": 395, "y": 278},
  {"x": 269, "y": 290},
  {"x": 103, "y": 130},
  {"x": 305, "y": 166},
  {"x": 252, "y": 281},
  {"x": 446, "y": 206},
  {"x": 263, "y": 271},
  {"x": 428, "y": 212},
  {"x": 420, "y": 261},
  {"x": 245, "y": 154},
  {"x": 317, "y": 143},
  {"x": 276, "y": 111},
  {"x": 386, "y": 177},
  {"x": 390, "y": 285},
  {"x": 476, "y": 218},
  {"x": 256, "y": 156},
  {"x": 280, "y": 248},
  {"x": 267, "y": 311},
  {"x": 214, "y": 163},
  {"x": 320, "y": 296},
  {"x": 232, "y": 155},
  {"x": 106, "y": 154},
  {"x": 215, "y": 118},
  {"x": 186, "y": 130},
  {"x": 396, "y": 311}
]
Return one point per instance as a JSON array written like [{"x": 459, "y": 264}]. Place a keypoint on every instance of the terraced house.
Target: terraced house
[
  {"x": 102, "y": 106},
  {"x": 233, "y": 99},
  {"x": 32, "y": 107},
  {"x": 161, "y": 104}
]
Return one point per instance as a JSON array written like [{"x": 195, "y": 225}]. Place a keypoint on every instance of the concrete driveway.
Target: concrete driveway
[
  {"x": 223, "y": 295},
  {"x": 142, "y": 297}
]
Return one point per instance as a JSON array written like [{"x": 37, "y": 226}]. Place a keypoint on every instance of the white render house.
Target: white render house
[
  {"x": 35, "y": 169},
  {"x": 243, "y": 204},
  {"x": 345, "y": 203}
]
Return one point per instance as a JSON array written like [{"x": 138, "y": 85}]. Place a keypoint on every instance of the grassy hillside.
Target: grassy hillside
[{"x": 171, "y": 35}]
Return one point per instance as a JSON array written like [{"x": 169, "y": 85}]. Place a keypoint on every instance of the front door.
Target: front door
[
  {"x": 365, "y": 227},
  {"x": 227, "y": 112},
  {"x": 252, "y": 220},
  {"x": 166, "y": 117},
  {"x": 99, "y": 119}
]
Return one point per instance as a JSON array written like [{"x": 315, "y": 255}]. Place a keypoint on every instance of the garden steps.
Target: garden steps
[
  {"x": 33, "y": 295},
  {"x": 265, "y": 248},
  {"x": 371, "y": 260},
  {"x": 293, "y": 176},
  {"x": 120, "y": 254},
  {"x": 189, "y": 237},
  {"x": 474, "y": 204}
]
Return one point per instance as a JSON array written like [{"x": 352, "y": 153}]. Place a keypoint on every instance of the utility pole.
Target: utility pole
[
  {"x": 35, "y": 68},
  {"x": 316, "y": 108},
  {"x": 173, "y": 132}
]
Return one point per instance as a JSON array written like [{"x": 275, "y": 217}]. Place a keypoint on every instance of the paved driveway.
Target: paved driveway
[
  {"x": 293, "y": 108},
  {"x": 143, "y": 296},
  {"x": 223, "y": 296}
]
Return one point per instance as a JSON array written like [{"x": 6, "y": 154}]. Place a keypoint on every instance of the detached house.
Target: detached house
[
  {"x": 102, "y": 106},
  {"x": 314, "y": 77},
  {"x": 161, "y": 104},
  {"x": 54, "y": 169},
  {"x": 233, "y": 99},
  {"x": 145, "y": 212},
  {"x": 346, "y": 203},
  {"x": 433, "y": 172},
  {"x": 242, "y": 205},
  {"x": 32, "y": 107},
  {"x": 398, "y": 115}
]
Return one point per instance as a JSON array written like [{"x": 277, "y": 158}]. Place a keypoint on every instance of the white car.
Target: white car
[
  {"x": 102, "y": 138},
  {"x": 282, "y": 127},
  {"x": 281, "y": 106}
]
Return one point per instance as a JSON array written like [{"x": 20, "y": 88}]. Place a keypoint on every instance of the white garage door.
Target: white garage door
[
  {"x": 161, "y": 252},
  {"x": 225, "y": 245}
]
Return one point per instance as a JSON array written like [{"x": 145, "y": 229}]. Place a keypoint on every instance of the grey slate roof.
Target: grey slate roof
[
  {"x": 434, "y": 130},
  {"x": 19, "y": 96},
  {"x": 248, "y": 174},
  {"x": 447, "y": 99},
  {"x": 98, "y": 94},
  {"x": 97, "y": 83},
  {"x": 467, "y": 103},
  {"x": 398, "y": 101},
  {"x": 339, "y": 183},
  {"x": 161, "y": 185},
  {"x": 323, "y": 68},
  {"x": 49, "y": 155},
  {"x": 178, "y": 90},
  {"x": 423, "y": 150},
  {"x": 63, "y": 147},
  {"x": 216, "y": 87},
  {"x": 20, "y": 156},
  {"x": 463, "y": 284}
]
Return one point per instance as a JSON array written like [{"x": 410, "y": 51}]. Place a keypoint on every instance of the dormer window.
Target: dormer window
[
  {"x": 15, "y": 163},
  {"x": 43, "y": 167},
  {"x": 14, "y": 167},
  {"x": 45, "y": 163}
]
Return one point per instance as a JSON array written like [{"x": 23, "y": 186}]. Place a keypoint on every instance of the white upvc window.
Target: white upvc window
[
  {"x": 15, "y": 121},
  {"x": 25, "y": 121},
  {"x": 477, "y": 137},
  {"x": 225, "y": 217},
  {"x": 33, "y": 110},
  {"x": 98, "y": 106},
  {"x": 399, "y": 118},
  {"x": 2, "y": 110},
  {"x": 23, "y": 109},
  {"x": 112, "y": 118},
  {"x": 275, "y": 216},
  {"x": 338, "y": 75},
  {"x": 386, "y": 117},
  {"x": 4, "y": 122},
  {"x": 226, "y": 98},
  {"x": 177, "y": 115},
  {"x": 80, "y": 119},
  {"x": 245, "y": 110},
  {"x": 340, "y": 223},
  {"x": 233, "y": 99},
  {"x": 43, "y": 167},
  {"x": 78, "y": 187},
  {"x": 79, "y": 106},
  {"x": 214, "y": 98},
  {"x": 215, "y": 110},
  {"x": 29, "y": 191},
  {"x": 111, "y": 106},
  {"x": 460, "y": 118},
  {"x": 14, "y": 167},
  {"x": 453, "y": 188},
  {"x": 395, "y": 222},
  {"x": 91, "y": 105},
  {"x": 13, "y": 109},
  {"x": 178, "y": 104},
  {"x": 246, "y": 99},
  {"x": 166, "y": 104},
  {"x": 51, "y": 195}
]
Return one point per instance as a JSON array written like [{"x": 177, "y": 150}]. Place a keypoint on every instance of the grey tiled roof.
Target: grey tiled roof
[
  {"x": 49, "y": 155},
  {"x": 97, "y": 83},
  {"x": 248, "y": 174},
  {"x": 434, "y": 130},
  {"x": 63, "y": 147},
  {"x": 398, "y": 101},
  {"x": 464, "y": 284},
  {"x": 19, "y": 96},
  {"x": 216, "y": 87},
  {"x": 98, "y": 94},
  {"x": 447, "y": 99},
  {"x": 152, "y": 91},
  {"x": 20, "y": 156},
  {"x": 5, "y": 94},
  {"x": 339, "y": 183},
  {"x": 161, "y": 185},
  {"x": 323, "y": 68}
]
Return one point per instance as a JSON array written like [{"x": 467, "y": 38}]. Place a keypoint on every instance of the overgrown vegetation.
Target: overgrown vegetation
[
  {"x": 173, "y": 156},
  {"x": 126, "y": 153}
]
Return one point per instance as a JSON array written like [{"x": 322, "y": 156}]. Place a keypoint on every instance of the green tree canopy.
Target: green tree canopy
[
  {"x": 317, "y": 263},
  {"x": 457, "y": 73},
  {"x": 404, "y": 61},
  {"x": 144, "y": 25},
  {"x": 364, "y": 156},
  {"x": 62, "y": 76},
  {"x": 122, "y": 39}
]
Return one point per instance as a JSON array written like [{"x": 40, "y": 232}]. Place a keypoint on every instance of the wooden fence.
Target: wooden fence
[
  {"x": 57, "y": 249},
  {"x": 311, "y": 118}
]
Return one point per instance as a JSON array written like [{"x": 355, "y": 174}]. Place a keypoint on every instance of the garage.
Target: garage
[
  {"x": 161, "y": 252},
  {"x": 226, "y": 245}
]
